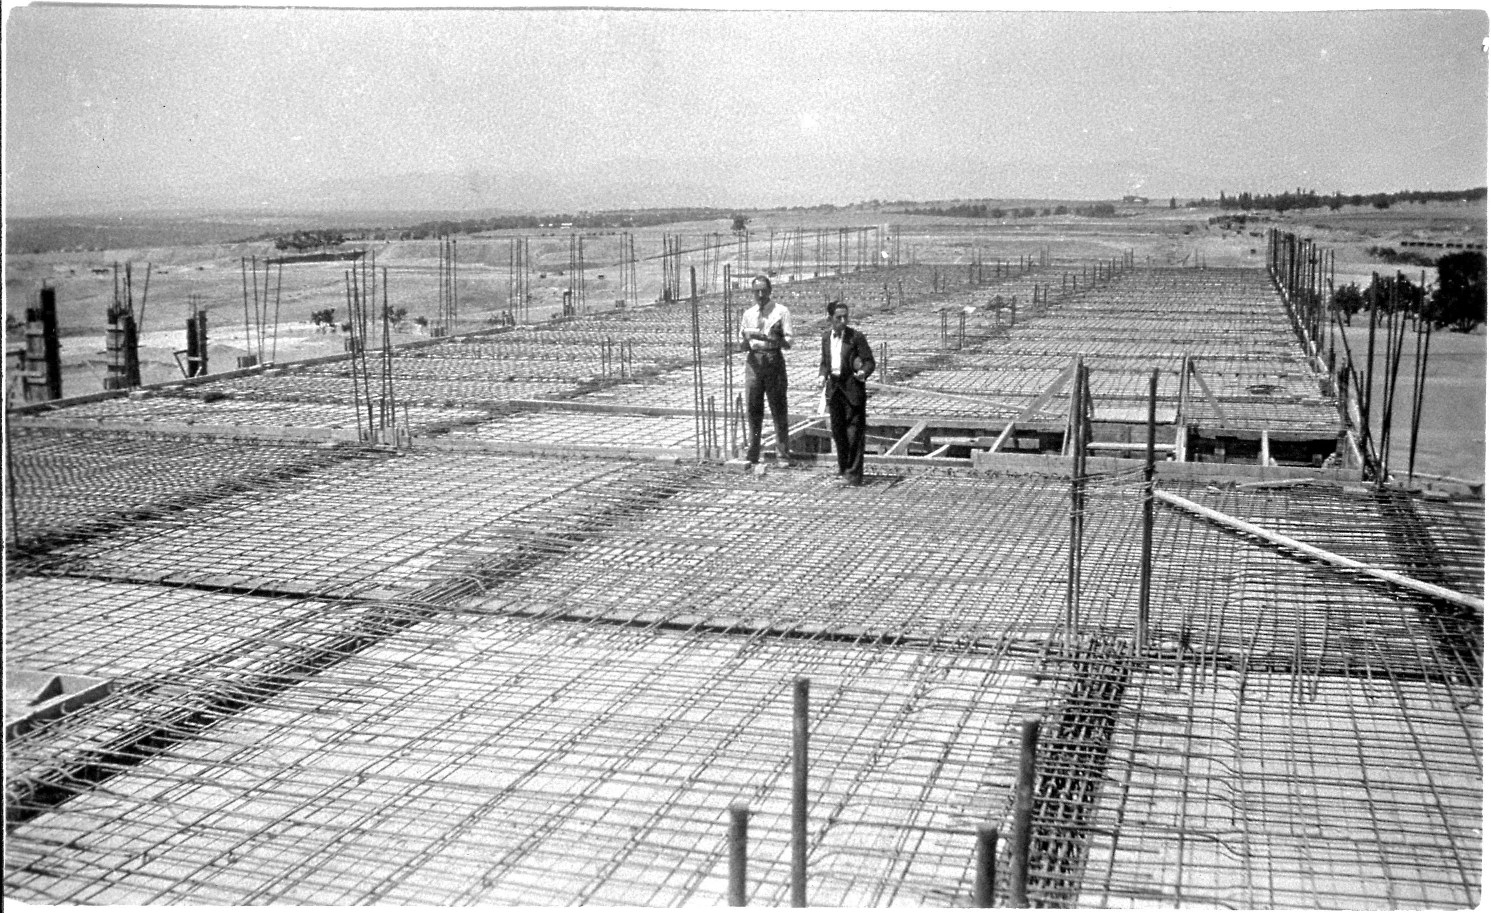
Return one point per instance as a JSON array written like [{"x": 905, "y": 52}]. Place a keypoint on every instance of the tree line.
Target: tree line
[
  {"x": 1309, "y": 199},
  {"x": 1458, "y": 301},
  {"x": 623, "y": 219},
  {"x": 991, "y": 211}
]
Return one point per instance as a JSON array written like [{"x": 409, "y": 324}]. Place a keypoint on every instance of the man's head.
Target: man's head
[
  {"x": 838, "y": 315},
  {"x": 761, "y": 287}
]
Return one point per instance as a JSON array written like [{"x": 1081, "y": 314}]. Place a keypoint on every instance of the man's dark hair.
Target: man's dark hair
[{"x": 762, "y": 277}]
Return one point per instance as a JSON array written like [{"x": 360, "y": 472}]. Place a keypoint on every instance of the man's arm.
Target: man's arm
[{"x": 865, "y": 355}]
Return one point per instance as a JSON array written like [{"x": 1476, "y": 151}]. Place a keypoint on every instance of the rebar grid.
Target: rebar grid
[
  {"x": 174, "y": 411},
  {"x": 470, "y": 761},
  {"x": 333, "y": 385},
  {"x": 342, "y": 756},
  {"x": 1238, "y": 791},
  {"x": 569, "y": 429},
  {"x": 69, "y": 484},
  {"x": 375, "y": 529}
]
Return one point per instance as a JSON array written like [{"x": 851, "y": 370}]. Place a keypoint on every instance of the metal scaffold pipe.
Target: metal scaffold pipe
[{"x": 1320, "y": 554}]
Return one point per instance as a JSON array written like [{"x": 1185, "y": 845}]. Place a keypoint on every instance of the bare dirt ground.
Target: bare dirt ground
[{"x": 210, "y": 277}]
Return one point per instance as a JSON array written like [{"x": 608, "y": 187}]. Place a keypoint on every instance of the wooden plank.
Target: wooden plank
[
  {"x": 900, "y": 447},
  {"x": 1210, "y": 399},
  {"x": 958, "y": 397},
  {"x": 1040, "y": 400}
]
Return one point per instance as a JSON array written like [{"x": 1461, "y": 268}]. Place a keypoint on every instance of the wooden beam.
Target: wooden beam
[
  {"x": 900, "y": 447},
  {"x": 1126, "y": 447},
  {"x": 1036, "y": 404},
  {"x": 957, "y": 397},
  {"x": 1210, "y": 399}
]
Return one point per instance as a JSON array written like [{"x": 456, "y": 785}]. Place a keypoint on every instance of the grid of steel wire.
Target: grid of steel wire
[
  {"x": 596, "y": 655},
  {"x": 67, "y": 483},
  {"x": 275, "y": 412},
  {"x": 676, "y": 432},
  {"x": 484, "y": 759},
  {"x": 377, "y": 528},
  {"x": 1239, "y": 791},
  {"x": 616, "y": 694}
]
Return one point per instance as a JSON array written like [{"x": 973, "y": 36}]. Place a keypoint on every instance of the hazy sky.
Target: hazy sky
[{"x": 596, "y": 108}]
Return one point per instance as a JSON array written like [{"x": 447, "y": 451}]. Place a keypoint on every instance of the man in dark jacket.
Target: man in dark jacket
[{"x": 847, "y": 361}]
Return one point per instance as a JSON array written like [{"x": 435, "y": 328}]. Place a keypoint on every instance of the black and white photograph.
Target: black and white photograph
[{"x": 663, "y": 455}]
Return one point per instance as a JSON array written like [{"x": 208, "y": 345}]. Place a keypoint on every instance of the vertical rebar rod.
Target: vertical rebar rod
[
  {"x": 800, "y": 792},
  {"x": 1020, "y": 833},
  {"x": 279, "y": 284},
  {"x": 740, "y": 814},
  {"x": 1391, "y": 393},
  {"x": 352, "y": 361},
  {"x": 1420, "y": 375},
  {"x": 1365, "y": 390},
  {"x": 729, "y": 356},
  {"x": 8, "y": 441},
  {"x": 1146, "y": 551},
  {"x": 985, "y": 857},
  {"x": 243, "y": 272},
  {"x": 391, "y": 400},
  {"x": 699, "y": 428}
]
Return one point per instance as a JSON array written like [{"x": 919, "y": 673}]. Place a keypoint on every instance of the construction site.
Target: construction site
[{"x": 1138, "y": 606}]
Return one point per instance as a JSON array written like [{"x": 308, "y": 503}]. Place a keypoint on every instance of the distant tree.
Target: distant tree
[
  {"x": 1460, "y": 300},
  {"x": 1347, "y": 301},
  {"x": 1062, "y": 210},
  {"x": 1172, "y": 202},
  {"x": 738, "y": 222},
  {"x": 1392, "y": 294}
]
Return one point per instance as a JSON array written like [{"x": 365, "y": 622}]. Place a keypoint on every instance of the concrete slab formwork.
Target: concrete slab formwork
[{"x": 439, "y": 675}]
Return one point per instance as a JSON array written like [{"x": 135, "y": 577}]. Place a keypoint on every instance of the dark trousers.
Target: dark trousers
[
  {"x": 766, "y": 378},
  {"x": 847, "y": 422}
]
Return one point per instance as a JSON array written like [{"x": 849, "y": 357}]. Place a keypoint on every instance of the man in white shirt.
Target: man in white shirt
[
  {"x": 846, "y": 363},
  {"x": 765, "y": 332}
]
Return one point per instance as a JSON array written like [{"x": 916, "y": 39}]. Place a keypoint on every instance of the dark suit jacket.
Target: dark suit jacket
[{"x": 856, "y": 355}]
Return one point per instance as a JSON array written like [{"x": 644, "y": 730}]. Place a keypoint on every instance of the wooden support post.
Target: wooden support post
[
  {"x": 740, "y": 814},
  {"x": 1035, "y": 406},
  {"x": 1020, "y": 834},
  {"x": 800, "y": 792},
  {"x": 985, "y": 858}
]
